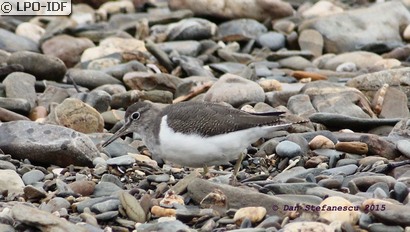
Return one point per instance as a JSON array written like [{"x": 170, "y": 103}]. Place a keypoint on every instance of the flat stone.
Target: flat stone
[
  {"x": 40, "y": 219},
  {"x": 187, "y": 48},
  {"x": 113, "y": 45},
  {"x": 392, "y": 214},
  {"x": 118, "y": 71},
  {"x": 301, "y": 105},
  {"x": 328, "y": 97},
  {"x": 325, "y": 192},
  {"x": 188, "y": 29},
  {"x": 148, "y": 81},
  {"x": 41, "y": 66},
  {"x": 106, "y": 206},
  {"x": 352, "y": 147},
  {"x": 346, "y": 170},
  {"x": 105, "y": 189},
  {"x": 240, "y": 30},
  {"x": 199, "y": 188},
  {"x": 274, "y": 9},
  {"x": 67, "y": 48},
  {"x": 289, "y": 188},
  {"x": 350, "y": 36},
  {"x": 379, "y": 146},
  {"x": 88, "y": 203},
  {"x": 46, "y": 144},
  {"x": 121, "y": 160},
  {"x": 11, "y": 42},
  {"x": 19, "y": 105},
  {"x": 288, "y": 149},
  {"x": 272, "y": 40},
  {"x": 90, "y": 78}
]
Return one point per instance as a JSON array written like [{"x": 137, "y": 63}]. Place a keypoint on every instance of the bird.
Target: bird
[{"x": 198, "y": 134}]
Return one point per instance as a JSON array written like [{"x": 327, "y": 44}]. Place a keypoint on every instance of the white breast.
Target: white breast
[{"x": 197, "y": 151}]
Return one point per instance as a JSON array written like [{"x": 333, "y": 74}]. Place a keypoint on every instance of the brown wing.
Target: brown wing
[{"x": 208, "y": 119}]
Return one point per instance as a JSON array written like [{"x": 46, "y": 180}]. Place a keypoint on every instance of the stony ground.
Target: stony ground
[{"x": 343, "y": 65}]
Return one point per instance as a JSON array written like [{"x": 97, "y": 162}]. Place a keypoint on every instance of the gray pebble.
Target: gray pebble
[
  {"x": 106, "y": 216},
  {"x": 158, "y": 178},
  {"x": 33, "y": 176},
  {"x": 404, "y": 147},
  {"x": 88, "y": 203},
  {"x": 400, "y": 191},
  {"x": 121, "y": 160},
  {"x": 288, "y": 149},
  {"x": 105, "y": 206},
  {"x": 380, "y": 227},
  {"x": 343, "y": 170},
  {"x": 105, "y": 189},
  {"x": 113, "y": 179}
]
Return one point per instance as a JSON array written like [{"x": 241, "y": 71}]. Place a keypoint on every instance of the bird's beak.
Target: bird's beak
[{"x": 122, "y": 131}]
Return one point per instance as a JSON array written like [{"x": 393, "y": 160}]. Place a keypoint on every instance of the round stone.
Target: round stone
[
  {"x": 320, "y": 142},
  {"x": 288, "y": 149},
  {"x": 254, "y": 214},
  {"x": 350, "y": 215},
  {"x": 33, "y": 176}
]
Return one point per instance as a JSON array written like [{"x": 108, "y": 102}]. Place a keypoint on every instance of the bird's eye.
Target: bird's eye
[{"x": 135, "y": 116}]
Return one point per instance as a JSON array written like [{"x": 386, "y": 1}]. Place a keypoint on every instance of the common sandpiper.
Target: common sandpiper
[{"x": 198, "y": 134}]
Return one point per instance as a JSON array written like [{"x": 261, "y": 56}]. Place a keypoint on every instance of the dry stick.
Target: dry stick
[{"x": 194, "y": 92}]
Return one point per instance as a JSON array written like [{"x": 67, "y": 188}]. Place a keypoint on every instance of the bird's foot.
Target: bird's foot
[{"x": 233, "y": 181}]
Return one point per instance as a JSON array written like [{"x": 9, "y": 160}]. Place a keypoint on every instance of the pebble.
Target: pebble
[
  {"x": 32, "y": 177},
  {"x": 351, "y": 215},
  {"x": 33, "y": 63},
  {"x": 132, "y": 207},
  {"x": 37, "y": 142},
  {"x": 11, "y": 182},
  {"x": 77, "y": 115},
  {"x": 321, "y": 142},
  {"x": 288, "y": 149},
  {"x": 229, "y": 89}
]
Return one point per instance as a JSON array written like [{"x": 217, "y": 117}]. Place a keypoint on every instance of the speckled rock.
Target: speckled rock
[
  {"x": 46, "y": 144},
  {"x": 77, "y": 115}
]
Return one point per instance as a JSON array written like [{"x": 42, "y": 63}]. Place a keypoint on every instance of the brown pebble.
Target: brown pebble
[
  {"x": 84, "y": 188},
  {"x": 158, "y": 211},
  {"x": 313, "y": 76},
  {"x": 314, "y": 161},
  {"x": 321, "y": 142},
  {"x": 352, "y": 147},
  {"x": 255, "y": 214},
  {"x": 38, "y": 112}
]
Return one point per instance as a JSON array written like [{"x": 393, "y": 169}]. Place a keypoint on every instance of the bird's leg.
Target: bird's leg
[
  {"x": 237, "y": 167},
  {"x": 205, "y": 170}
]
